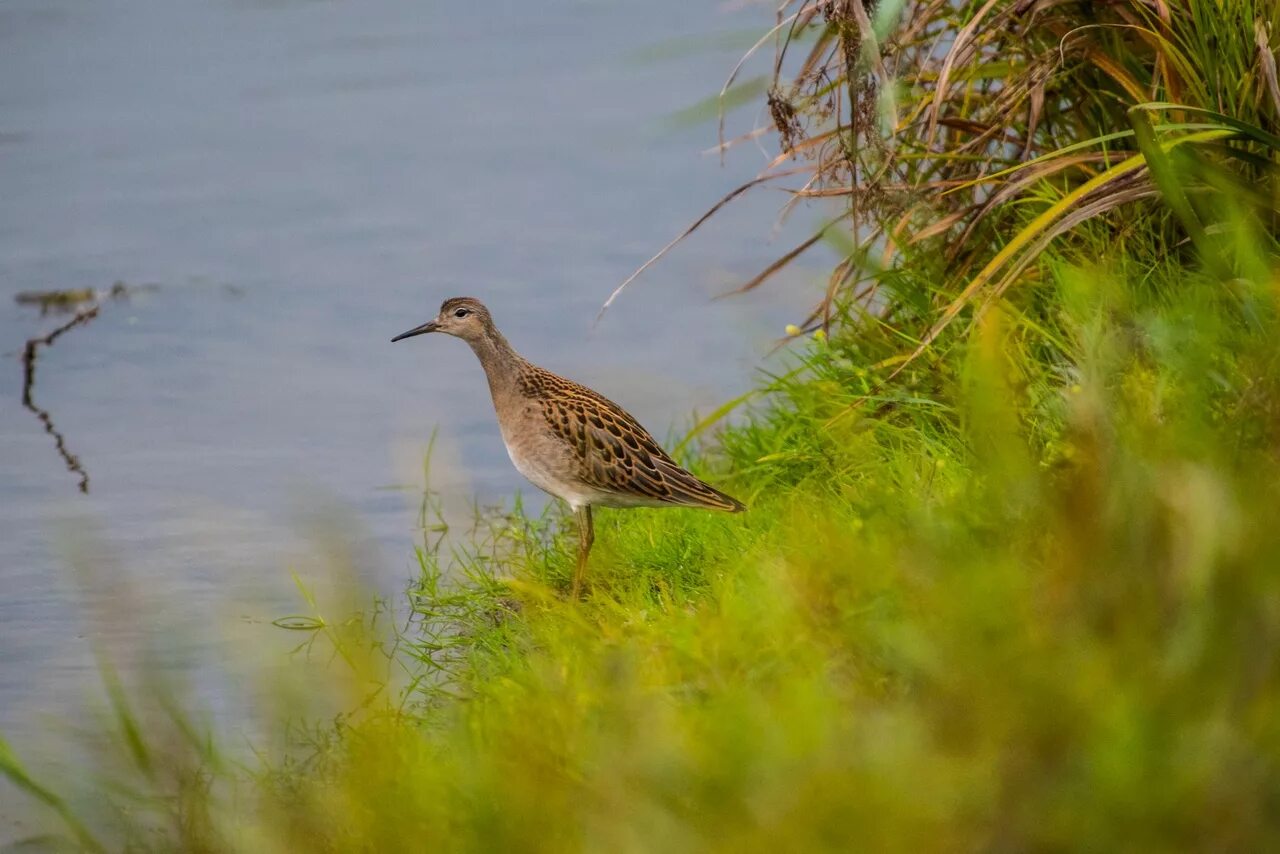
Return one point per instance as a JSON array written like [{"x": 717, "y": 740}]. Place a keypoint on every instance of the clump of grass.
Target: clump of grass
[{"x": 954, "y": 143}]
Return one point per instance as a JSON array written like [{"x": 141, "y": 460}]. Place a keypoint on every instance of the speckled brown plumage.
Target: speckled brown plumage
[
  {"x": 615, "y": 454},
  {"x": 567, "y": 439}
]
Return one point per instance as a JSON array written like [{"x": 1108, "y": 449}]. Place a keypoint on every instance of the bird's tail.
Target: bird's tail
[
  {"x": 685, "y": 489},
  {"x": 724, "y": 502}
]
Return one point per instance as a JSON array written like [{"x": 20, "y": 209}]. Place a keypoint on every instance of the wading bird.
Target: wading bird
[{"x": 567, "y": 440}]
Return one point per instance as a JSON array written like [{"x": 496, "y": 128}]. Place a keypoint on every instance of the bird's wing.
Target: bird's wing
[{"x": 618, "y": 455}]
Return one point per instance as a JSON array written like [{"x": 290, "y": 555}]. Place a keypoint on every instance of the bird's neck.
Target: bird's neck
[{"x": 501, "y": 364}]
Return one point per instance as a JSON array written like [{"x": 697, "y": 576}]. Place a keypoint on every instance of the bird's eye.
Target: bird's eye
[{"x": 462, "y": 312}]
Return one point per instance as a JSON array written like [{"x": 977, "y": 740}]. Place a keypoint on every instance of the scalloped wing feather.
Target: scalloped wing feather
[{"x": 617, "y": 456}]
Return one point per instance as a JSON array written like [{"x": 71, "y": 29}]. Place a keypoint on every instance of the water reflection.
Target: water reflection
[
  {"x": 83, "y": 304},
  {"x": 29, "y": 385}
]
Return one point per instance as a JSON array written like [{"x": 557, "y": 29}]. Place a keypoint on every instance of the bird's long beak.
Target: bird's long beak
[{"x": 429, "y": 326}]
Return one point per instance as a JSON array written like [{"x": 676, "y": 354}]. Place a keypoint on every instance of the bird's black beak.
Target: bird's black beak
[{"x": 429, "y": 326}]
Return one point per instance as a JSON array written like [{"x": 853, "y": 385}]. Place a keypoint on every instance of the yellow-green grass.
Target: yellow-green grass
[{"x": 1031, "y": 602}]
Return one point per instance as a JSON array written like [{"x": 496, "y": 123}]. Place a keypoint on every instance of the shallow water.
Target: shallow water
[{"x": 301, "y": 181}]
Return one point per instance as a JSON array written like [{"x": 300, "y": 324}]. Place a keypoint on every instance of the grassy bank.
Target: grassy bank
[{"x": 1009, "y": 575}]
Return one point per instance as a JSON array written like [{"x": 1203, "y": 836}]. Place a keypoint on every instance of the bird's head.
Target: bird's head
[{"x": 461, "y": 317}]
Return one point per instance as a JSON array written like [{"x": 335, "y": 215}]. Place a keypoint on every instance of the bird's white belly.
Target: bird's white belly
[{"x": 540, "y": 472}]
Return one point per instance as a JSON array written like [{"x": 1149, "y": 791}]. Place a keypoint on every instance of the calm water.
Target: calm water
[{"x": 301, "y": 181}]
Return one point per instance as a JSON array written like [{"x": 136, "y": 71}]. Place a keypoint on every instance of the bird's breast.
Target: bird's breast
[{"x": 540, "y": 456}]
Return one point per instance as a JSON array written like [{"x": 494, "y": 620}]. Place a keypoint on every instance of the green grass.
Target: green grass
[
  {"x": 1028, "y": 600},
  {"x": 1009, "y": 577}
]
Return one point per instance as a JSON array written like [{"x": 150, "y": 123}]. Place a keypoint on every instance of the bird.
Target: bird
[{"x": 567, "y": 440}]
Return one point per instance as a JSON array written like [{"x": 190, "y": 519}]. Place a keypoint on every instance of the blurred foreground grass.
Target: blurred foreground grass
[{"x": 1033, "y": 602}]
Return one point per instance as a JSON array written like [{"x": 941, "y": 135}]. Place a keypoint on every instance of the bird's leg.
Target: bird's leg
[{"x": 586, "y": 536}]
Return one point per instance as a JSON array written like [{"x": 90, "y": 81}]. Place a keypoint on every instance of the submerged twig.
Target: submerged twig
[
  {"x": 71, "y": 300},
  {"x": 29, "y": 383}
]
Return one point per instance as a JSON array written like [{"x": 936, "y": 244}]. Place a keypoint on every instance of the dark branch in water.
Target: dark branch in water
[{"x": 29, "y": 384}]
